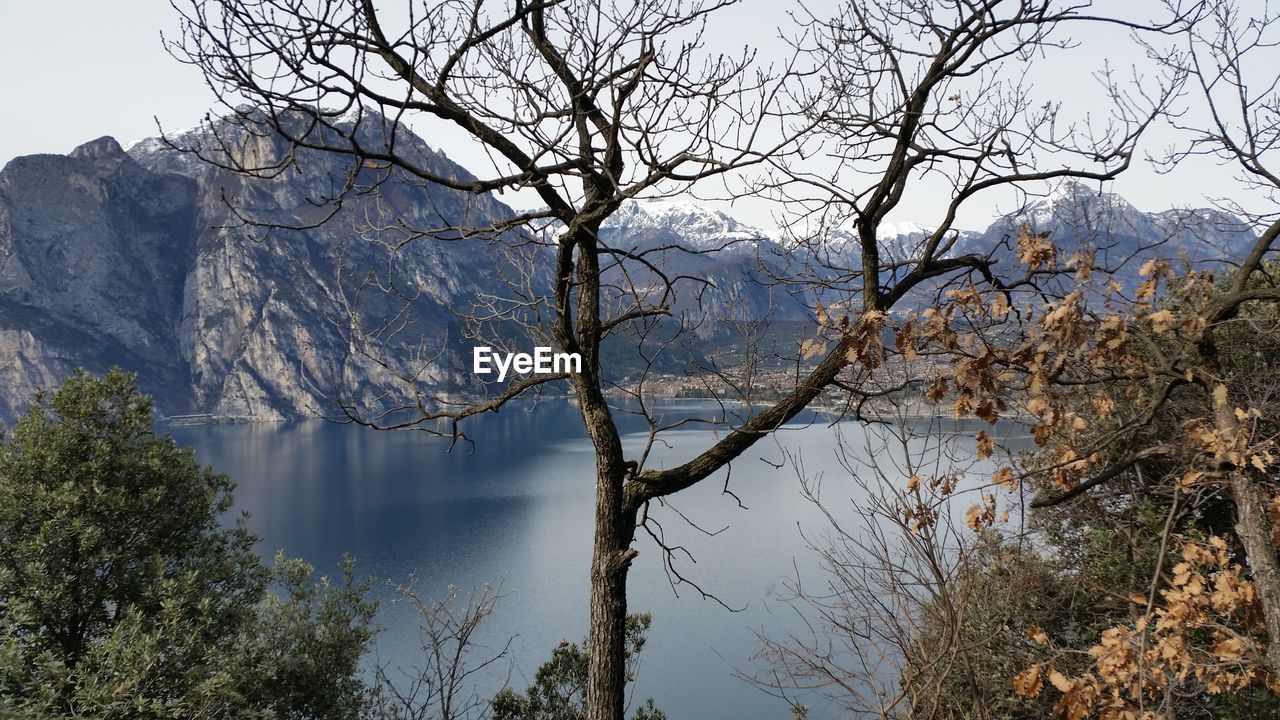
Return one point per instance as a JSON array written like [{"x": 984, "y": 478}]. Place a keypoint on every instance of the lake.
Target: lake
[{"x": 515, "y": 510}]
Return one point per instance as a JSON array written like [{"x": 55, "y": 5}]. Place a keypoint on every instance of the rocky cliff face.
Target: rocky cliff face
[
  {"x": 142, "y": 259},
  {"x": 94, "y": 256}
]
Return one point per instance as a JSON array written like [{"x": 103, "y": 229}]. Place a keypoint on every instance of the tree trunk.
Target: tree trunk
[
  {"x": 611, "y": 559},
  {"x": 1254, "y": 530},
  {"x": 614, "y": 523}
]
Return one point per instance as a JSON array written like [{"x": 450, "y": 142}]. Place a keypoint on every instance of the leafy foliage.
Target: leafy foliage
[
  {"x": 1176, "y": 576},
  {"x": 122, "y": 594},
  {"x": 1149, "y": 586},
  {"x": 1155, "y": 425}
]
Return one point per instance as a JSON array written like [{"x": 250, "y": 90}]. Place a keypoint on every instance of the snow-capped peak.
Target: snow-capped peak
[
  {"x": 1073, "y": 199},
  {"x": 906, "y": 227},
  {"x": 695, "y": 223},
  {"x": 1066, "y": 190},
  {"x": 354, "y": 114}
]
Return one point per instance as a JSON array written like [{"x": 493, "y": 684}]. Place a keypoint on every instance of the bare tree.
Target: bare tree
[
  {"x": 586, "y": 105},
  {"x": 882, "y": 629},
  {"x": 443, "y": 688}
]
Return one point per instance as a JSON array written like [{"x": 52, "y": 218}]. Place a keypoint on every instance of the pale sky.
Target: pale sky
[{"x": 75, "y": 70}]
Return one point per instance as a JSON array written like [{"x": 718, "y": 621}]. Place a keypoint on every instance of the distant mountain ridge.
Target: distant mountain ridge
[
  {"x": 689, "y": 223},
  {"x": 1120, "y": 236},
  {"x": 134, "y": 258}
]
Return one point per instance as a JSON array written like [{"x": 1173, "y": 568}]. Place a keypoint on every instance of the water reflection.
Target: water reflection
[{"x": 516, "y": 510}]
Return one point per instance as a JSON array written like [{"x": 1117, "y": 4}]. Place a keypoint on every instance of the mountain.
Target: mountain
[
  {"x": 142, "y": 258},
  {"x": 137, "y": 259},
  {"x": 1121, "y": 237},
  {"x": 900, "y": 242},
  {"x": 720, "y": 269},
  {"x": 689, "y": 223},
  {"x": 94, "y": 249}
]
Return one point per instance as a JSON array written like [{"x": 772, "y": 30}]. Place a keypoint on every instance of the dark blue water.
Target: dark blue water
[{"x": 516, "y": 511}]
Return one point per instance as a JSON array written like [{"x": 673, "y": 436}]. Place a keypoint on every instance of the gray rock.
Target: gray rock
[{"x": 144, "y": 260}]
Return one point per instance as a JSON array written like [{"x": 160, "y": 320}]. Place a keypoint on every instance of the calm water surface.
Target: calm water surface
[{"x": 516, "y": 511}]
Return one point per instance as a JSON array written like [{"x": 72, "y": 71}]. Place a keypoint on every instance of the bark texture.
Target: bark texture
[{"x": 1254, "y": 530}]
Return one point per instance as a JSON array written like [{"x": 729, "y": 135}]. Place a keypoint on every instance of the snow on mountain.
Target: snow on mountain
[
  {"x": 1081, "y": 215},
  {"x": 1077, "y": 204},
  {"x": 687, "y": 222},
  {"x": 898, "y": 229},
  {"x": 1120, "y": 236}
]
